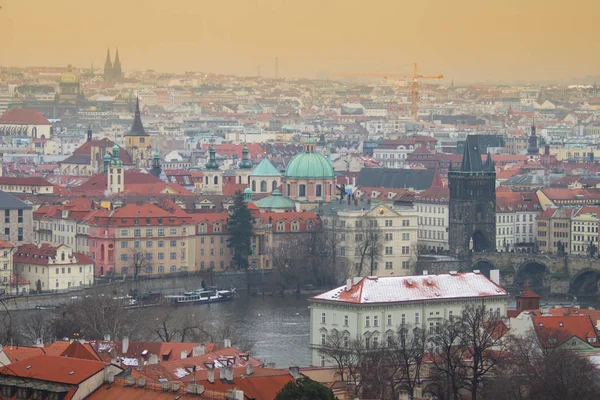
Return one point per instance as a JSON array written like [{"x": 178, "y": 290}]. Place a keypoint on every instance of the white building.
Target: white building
[
  {"x": 373, "y": 308},
  {"x": 53, "y": 268},
  {"x": 432, "y": 208},
  {"x": 24, "y": 123},
  {"x": 516, "y": 214}
]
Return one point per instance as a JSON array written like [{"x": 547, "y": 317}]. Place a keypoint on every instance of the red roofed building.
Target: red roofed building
[
  {"x": 516, "y": 214},
  {"x": 24, "y": 184},
  {"x": 554, "y": 230},
  {"x": 432, "y": 208},
  {"x": 24, "y": 123},
  {"x": 140, "y": 239},
  {"x": 54, "y": 377},
  {"x": 53, "y": 268},
  {"x": 88, "y": 159}
]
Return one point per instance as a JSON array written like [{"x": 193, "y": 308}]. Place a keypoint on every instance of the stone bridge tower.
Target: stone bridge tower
[{"x": 472, "y": 202}]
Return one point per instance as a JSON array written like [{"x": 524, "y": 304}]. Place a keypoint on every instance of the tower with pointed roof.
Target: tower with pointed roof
[
  {"x": 213, "y": 176},
  {"x": 117, "y": 71},
  {"x": 137, "y": 141},
  {"x": 245, "y": 167},
  {"x": 156, "y": 169},
  {"x": 108, "y": 67},
  {"x": 116, "y": 172},
  {"x": 532, "y": 147},
  {"x": 472, "y": 206}
]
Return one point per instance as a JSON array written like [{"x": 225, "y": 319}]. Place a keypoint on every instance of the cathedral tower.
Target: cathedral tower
[
  {"x": 117, "y": 71},
  {"x": 108, "y": 67},
  {"x": 472, "y": 202}
]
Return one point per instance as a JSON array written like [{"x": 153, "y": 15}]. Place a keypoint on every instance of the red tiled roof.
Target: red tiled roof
[
  {"x": 5, "y": 245},
  {"x": 19, "y": 353},
  {"x": 71, "y": 371},
  {"x": 567, "y": 326},
  {"x": 120, "y": 390},
  {"x": 80, "y": 351},
  {"x": 32, "y": 254},
  {"x": 19, "y": 116},
  {"x": 23, "y": 181}
]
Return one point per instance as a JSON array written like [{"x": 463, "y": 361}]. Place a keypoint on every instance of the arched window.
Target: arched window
[
  {"x": 302, "y": 191},
  {"x": 206, "y": 180},
  {"x": 101, "y": 252},
  {"x": 295, "y": 226},
  {"x": 280, "y": 226},
  {"x": 118, "y": 179},
  {"x": 216, "y": 180},
  {"x": 318, "y": 191},
  {"x": 111, "y": 179},
  {"x": 274, "y": 185},
  {"x": 202, "y": 228},
  {"x": 289, "y": 190},
  {"x": 263, "y": 186},
  {"x": 253, "y": 186}
]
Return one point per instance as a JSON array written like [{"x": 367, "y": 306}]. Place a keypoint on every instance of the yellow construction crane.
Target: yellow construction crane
[{"x": 414, "y": 87}]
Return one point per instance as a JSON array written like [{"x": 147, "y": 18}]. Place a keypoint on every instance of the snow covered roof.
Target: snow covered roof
[{"x": 398, "y": 289}]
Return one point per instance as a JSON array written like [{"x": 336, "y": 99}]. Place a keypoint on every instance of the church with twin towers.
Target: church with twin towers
[{"x": 112, "y": 71}]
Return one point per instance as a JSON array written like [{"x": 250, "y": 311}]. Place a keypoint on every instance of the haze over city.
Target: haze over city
[{"x": 466, "y": 40}]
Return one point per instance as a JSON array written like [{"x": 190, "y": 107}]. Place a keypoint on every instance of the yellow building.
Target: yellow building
[{"x": 584, "y": 229}]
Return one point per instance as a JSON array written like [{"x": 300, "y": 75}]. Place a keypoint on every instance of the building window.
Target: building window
[
  {"x": 161, "y": 232},
  {"x": 318, "y": 191},
  {"x": 173, "y": 243},
  {"x": 6, "y": 216},
  {"x": 388, "y": 251},
  {"x": 149, "y": 243},
  {"x": 405, "y": 222},
  {"x": 137, "y": 232},
  {"x": 388, "y": 265},
  {"x": 405, "y": 264},
  {"x": 323, "y": 338},
  {"x": 302, "y": 190},
  {"x": 174, "y": 256},
  {"x": 161, "y": 243},
  {"x": 416, "y": 318},
  {"x": 173, "y": 268},
  {"x": 375, "y": 321},
  {"x": 367, "y": 321},
  {"x": 389, "y": 320},
  {"x": 20, "y": 234},
  {"x": 323, "y": 318},
  {"x": 405, "y": 249},
  {"x": 345, "y": 320},
  {"x": 124, "y": 232},
  {"x": 388, "y": 222},
  {"x": 406, "y": 236}
]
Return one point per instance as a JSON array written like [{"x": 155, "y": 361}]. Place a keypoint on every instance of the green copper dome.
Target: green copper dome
[
  {"x": 265, "y": 168},
  {"x": 309, "y": 165},
  {"x": 276, "y": 200}
]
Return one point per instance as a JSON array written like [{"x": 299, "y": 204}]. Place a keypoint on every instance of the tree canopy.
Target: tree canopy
[
  {"x": 240, "y": 230},
  {"x": 304, "y": 389}
]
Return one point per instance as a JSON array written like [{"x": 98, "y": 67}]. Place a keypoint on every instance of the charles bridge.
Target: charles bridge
[{"x": 576, "y": 275}]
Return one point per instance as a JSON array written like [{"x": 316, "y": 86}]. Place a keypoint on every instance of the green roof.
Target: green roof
[
  {"x": 265, "y": 168},
  {"x": 275, "y": 200},
  {"x": 309, "y": 165}
]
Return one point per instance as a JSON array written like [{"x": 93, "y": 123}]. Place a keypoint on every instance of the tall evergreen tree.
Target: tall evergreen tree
[{"x": 240, "y": 230}]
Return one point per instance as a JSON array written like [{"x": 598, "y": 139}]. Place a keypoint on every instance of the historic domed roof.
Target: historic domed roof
[
  {"x": 265, "y": 168},
  {"x": 69, "y": 77},
  {"x": 276, "y": 201},
  {"x": 309, "y": 164}
]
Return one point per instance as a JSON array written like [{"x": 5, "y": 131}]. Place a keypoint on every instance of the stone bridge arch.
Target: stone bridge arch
[
  {"x": 532, "y": 273},
  {"x": 585, "y": 282},
  {"x": 484, "y": 266}
]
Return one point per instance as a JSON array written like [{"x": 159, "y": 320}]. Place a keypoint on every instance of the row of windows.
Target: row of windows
[
  {"x": 19, "y": 234},
  {"x": 149, "y": 256},
  {"x": 427, "y": 234},
  {"x": 432, "y": 221},
  {"x": 431, "y": 209},
  {"x": 150, "y": 269},
  {"x": 150, "y": 232},
  {"x": 582, "y": 238},
  {"x": 583, "y": 229},
  {"x": 149, "y": 244}
]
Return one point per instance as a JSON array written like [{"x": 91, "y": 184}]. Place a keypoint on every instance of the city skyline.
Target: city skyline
[{"x": 468, "y": 41}]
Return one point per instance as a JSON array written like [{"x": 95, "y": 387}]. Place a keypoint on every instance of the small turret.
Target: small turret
[
  {"x": 212, "y": 156},
  {"x": 156, "y": 168},
  {"x": 107, "y": 158},
  {"x": 245, "y": 164}
]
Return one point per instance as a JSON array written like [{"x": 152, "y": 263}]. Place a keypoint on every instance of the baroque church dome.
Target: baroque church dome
[{"x": 309, "y": 164}]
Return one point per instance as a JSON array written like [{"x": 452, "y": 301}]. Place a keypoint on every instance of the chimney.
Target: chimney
[
  {"x": 425, "y": 272},
  {"x": 226, "y": 343},
  {"x": 125, "y": 345},
  {"x": 140, "y": 363},
  {"x": 228, "y": 373},
  {"x": 39, "y": 342},
  {"x": 295, "y": 372},
  {"x": 141, "y": 382},
  {"x": 194, "y": 388},
  {"x": 107, "y": 338},
  {"x": 211, "y": 374},
  {"x": 183, "y": 354},
  {"x": 495, "y": 276},
  {"x": 234, "y": 394},
  {"x": 348, "y": 284},
  {"x": 249, "y": 369},
  {"x": 198, "y": 350},
  {"x": 109, "y": 376},
  {"x": 153, "y": 359},
  {"x": 175, "y": 386}
]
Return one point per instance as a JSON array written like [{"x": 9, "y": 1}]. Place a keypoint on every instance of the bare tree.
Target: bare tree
[
  {"x": 540, "y": 368},
  {"x": 140, "y": 262},
  {"x": 406, "y": 351},
  {"x": 351, "y": 357},
  {"x": 480, "y": 335},
  {"x": 96, "y": 315},
  {"x": 446, "y": 373},
  {"x": 368, "y": 242},
  {"x": 34, "y": 327}
]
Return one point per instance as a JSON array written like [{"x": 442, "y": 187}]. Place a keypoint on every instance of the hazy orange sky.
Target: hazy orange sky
[{"x": 466, "y": 40}]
